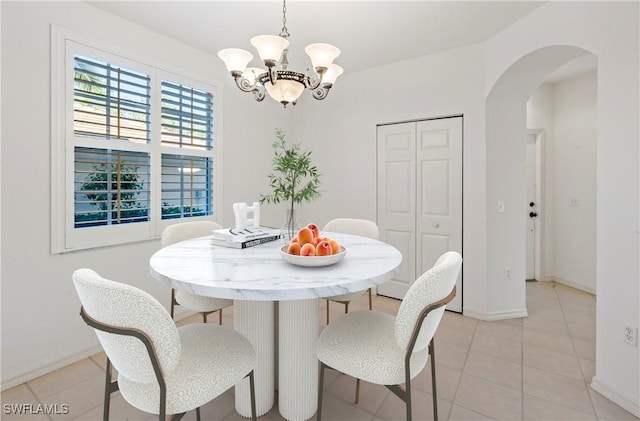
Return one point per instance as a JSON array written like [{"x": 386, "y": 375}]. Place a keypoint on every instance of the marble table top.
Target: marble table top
[{"x": 259, "y": 273}]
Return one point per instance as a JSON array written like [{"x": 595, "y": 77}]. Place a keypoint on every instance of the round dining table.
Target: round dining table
[{"x": 256, "y": 278}]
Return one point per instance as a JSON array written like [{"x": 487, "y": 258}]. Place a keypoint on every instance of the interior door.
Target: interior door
[
  {"x": 532, "y": 213},
  {"x": 439, "y": 187},
  {"x": 396, "y": 187},
  {"x": 420, "y": 197}
]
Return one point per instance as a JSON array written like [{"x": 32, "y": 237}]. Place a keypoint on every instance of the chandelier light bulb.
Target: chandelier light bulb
[
  {"x": 332, "y": 73},
  {"x": 270, "y": 48},
  {"x": 322, "y": 55},
  {"x": 235, "y": 59}
]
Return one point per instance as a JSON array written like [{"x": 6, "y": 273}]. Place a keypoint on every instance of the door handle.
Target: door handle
[
  {"x": 533, "y": 214},
  {"x": 531, "y": 204}
]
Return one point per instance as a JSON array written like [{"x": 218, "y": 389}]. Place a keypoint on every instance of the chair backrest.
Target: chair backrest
[
  {"x": 125, "y": 306},
  {"x": 432, "y": 286},
  {"x": 186, "y": 231},
  {"x": 361, "y": 227}
]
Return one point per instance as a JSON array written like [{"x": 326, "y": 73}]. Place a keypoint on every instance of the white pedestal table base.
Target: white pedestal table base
[
  {"x": 255, "y": 320},
  {"x": 298, "y": 365}
]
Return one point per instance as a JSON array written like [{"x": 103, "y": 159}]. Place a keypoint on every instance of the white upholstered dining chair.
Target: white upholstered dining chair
[
  {"x": 204, "y": 305},
  {"x": 382, "y": 349},
  {"x": 162, "y": 369},
  {"x": 363, "y": 228}
]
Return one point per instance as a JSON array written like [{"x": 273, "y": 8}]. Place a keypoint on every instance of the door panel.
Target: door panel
[
  {"x": 420, "y": 197},
  {"x": 396, "y": 200},
  {"x": 439, "y": 220}
]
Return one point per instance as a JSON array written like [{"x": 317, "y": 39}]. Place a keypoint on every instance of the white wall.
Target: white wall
[
  {"x": 341, "y": 130},
  {"x": 567, "y": 111},
  {"x": 41, "y": 328},
  {"x": 610, "y": 31},
  {"x": 575, "y": 135}
]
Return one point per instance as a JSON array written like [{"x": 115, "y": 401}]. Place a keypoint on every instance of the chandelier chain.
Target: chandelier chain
[{"x": 285, "y": 32}]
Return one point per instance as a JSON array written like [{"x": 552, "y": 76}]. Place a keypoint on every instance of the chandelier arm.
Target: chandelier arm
[
  {"x": 258, "y": 93},
  {"x": 243, "y": 84},
  {"x": 320, "y": 92},
  {"x": 311, "y": 82}
]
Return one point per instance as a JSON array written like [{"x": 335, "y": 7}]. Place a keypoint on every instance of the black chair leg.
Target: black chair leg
[
  {"x": 433, "y": 378},
  {"x": 252, "y": 391},
  {"x": 320, "y": 387},
  {"x": 107, "y": 391},
  {"x": 198, "y": 413},
  {"x": 407, "y": 398}
]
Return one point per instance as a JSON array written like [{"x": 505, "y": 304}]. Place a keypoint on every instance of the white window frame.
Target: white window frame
[{"x": 64, "y": 236}]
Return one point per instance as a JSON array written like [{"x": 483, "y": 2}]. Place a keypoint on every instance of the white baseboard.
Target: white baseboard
[
  {"x": 625, "y": 402},
  {"x": 48, "y": 368},
  {"x": 571, "y": 284},
  {"x": 497, "y": 315},
  {"x": 181, "y": 313}
]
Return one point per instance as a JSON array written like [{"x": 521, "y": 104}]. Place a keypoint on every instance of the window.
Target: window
[{"x": 134, "y": 147}]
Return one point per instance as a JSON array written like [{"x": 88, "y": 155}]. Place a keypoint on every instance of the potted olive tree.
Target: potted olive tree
[{"x": 293, "y": 180}]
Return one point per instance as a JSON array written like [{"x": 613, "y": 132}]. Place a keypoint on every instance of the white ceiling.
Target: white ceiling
[{"x": 369, "y": 33}]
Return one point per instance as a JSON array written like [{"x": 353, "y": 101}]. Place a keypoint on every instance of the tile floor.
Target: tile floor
[{"x": 537, "y": 368}]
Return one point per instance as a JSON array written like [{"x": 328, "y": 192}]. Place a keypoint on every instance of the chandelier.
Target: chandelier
[{"x": 282, "y": 84}]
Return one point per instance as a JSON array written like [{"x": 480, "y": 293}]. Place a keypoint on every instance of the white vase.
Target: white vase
[{"x": 290, "y": 226}]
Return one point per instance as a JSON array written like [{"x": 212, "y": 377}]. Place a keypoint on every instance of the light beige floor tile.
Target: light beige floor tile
[
  {"x": 607, "y": 410},
  {"x": 337, "y": 409},
  {"x": 458, "y": 322},
  {"x": 557, "y": 388},
  {"x": 394, "y": 409},
  {"x": 100, "y": 359},
  {"x": 584, "y": 348},
  {"x": 447, "y": 381},
  {"x": 453, "y": 336},
  {"x": 544, "y": 410},
  {"x": 371, "y": 395},
  {"x": 549, "y": 326},
  {"x": 70, "y": 375},
  {"x": 582, "y": 329},
  {"x": 19, "y": 403},
  {"x": 495, "y": 370},
  {"x": 80, "y": 397},
  {"x": 459, "y": 413},
  {"x": 554, "y": 362},
  {"x": 497, "y": 347},
  {"x": 221, "y": 408},
  {"x": 588, "y": 369},
  {"x": 549, "y": 341},
  {"x": 489, "y": 399},
  {"x": 119, "y": 409},
  {"x": 546, "y": 311},
  {"x": 450, "y": 355},
  {"x": 500, "y": 329}
]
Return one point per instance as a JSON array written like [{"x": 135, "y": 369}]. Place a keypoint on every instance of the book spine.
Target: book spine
[
  {"x": 243, "y": 244},
  {"x": 258, "y": 241}
]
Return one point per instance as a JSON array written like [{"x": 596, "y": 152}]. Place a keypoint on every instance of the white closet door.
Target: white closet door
[
  {"x": 439, "y": 194},
  {"x": 397, "y": 201},
  {"x": 420, "y": 197}
]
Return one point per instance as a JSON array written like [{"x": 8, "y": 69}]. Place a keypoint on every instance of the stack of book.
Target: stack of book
[{"x": 242, "y": 238}]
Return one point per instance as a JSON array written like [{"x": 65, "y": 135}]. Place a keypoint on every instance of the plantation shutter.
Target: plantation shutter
[
  {"x": 110, "y": 102},
  {"x": 187, "y": 177},
  {"x": 110, "y": 187}
]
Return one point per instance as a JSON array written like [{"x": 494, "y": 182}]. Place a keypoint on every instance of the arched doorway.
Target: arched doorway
[{"x": 506, "y": 133}]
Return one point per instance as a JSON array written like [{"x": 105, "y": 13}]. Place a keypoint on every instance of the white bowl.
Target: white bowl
[{"x": 312, "y": 261}]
